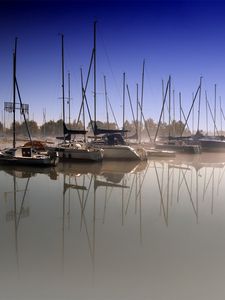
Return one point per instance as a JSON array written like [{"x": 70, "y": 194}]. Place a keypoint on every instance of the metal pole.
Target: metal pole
[
  {"x": 124, "y": 82},
  {"x": 69, "y": 95},
  {"x": 215, "y": 110},
  {"x": 14, "y": 94},
  {"x": 142, "y": 95},
  {"x": 94, "y": 52},
  {"x": 199, "y": 102},
  {"x": 63, "y": 90},
  {"x": 106, "y": 102}
]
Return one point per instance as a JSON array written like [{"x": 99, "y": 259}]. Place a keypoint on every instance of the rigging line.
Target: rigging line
[
  {"x": 184, "y": 117},
  {"x": 161, "y": 196},
  {"x": 86, "y": 84},
  {"x": 131, "y": 106},
  {"x": 129, "y": 196},
  {"x": 210, "y": 110},
  {"x": 198, "y": 91},
  {"x": 106, "y": 102},
  {"x": 221, "y": 176},
  {"x": 110, "y": 65},
  {"x": 222, "y": 113},
  {"x": 21, "y": 207},
  {"x": 83, "y": 92},
  {"x": 114, "y": 117},
  {"x": 83, "y": 219},
  {"x": 207, "y": 185},
  {"x": 82, "y": 103},
  {"x": 140, "y": 186},
  {"x": 162, "y": 110},
  {"x": 81, "y": 203},
  {"x": 146, "y": 125},
  {"x": 188, "y": 189},
  {"x": 85, "y": 202},
  {"x": 17, "y": 88}
]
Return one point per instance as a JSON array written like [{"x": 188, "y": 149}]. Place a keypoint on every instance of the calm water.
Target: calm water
[{"x": 114, "y": 231}]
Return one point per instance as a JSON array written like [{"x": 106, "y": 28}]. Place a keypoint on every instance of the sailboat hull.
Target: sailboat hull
[
  {"x": 212, "y": 145},
  {"x": 17, "y": 157},
  {"x": 121, "y": 152},
  {"x": 80, "y": 154}
]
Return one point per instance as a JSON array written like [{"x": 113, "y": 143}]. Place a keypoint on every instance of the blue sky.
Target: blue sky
[{"x": 184, "y": 39}]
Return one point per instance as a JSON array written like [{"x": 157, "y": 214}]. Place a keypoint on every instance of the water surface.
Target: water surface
[{"x": 116, "y": 231}]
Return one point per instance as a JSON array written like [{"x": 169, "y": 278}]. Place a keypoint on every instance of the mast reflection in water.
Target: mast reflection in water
[{"x": 148, "y": 230}]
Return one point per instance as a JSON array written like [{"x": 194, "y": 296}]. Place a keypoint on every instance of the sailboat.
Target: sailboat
[
  {"x": 111, "y": 140},
  {"x": 208, "y": 143},
  {"x": 69, "y": 149},
  {"x": 24, "y": 155},
  {"x": 177, "y": 144}
]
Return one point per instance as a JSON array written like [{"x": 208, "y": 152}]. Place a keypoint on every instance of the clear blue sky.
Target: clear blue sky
[{"x": 184, "y": 39}]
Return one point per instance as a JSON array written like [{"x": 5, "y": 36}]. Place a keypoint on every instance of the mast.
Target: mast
[
  {"x": 142, "y": 95},
  {"x": 106, "y": 102},
  {"x": 199, "y": 102},
  {"x": 180, "y": 111},
  {"x": 131, "y": 106},
  {"x": 164, "y": 101},
  {"x": 193, "y": 116},
  {"x": 94, "y": 53},
  {"x": 137, "y": 99},
  {"x": 174, "y": 114},
  {"x": 206, "y": 111},
  {"x": 69, "y": 99},
  {"x": 215, "y": 110},
  {"x": 124, "y": 82},
  {"x": 169, "y": 105},
  {"x": 14, "y": 93},
  {"x": 163, "y": 116},
  {"x": 82, "y": 105},
  {"x": 192, "y": 105},
  {"x": 221, "y": 126},
  {"x": 63, "y": 89}
]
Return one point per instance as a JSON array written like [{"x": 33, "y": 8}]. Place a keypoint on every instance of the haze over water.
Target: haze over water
[{"x": 117, "y": 231}]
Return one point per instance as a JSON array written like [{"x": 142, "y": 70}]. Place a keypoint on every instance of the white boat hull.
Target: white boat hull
[
  {"x": 19, "y": 158},
  {"x": 80, "y": 154},
  {"x": 121, "y": 152}
]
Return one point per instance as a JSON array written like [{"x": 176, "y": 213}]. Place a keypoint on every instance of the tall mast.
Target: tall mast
[
  {"x": 215, "y": 110},
  {"x": 83, "y": 98},
  {"x": 192, "y": 105},
  {"x": 206, "y": 111},
  {"x": 169, "y": 105},
  {"x": 199, "y": 102},
  {"x": 124, "y": 82},
  {"x": 163, "y": 116},
  {"x": 180, "y": 111},
  {"x": 14, "y": 93},
  {"x": 193, "y": 115},
  {"x": 69, "y": 99},
  {"x": 142, "y": 96},
  {"x": 137, "y": 127},
  {"x": 94, "y": 53},
  {"x": 63, "y": 89},
  {"x": 221, "y": 127},
  {"x": 174, "y": 114},
  {"x": 106, "y": 102},
  {"x": 164, "y": 101}
]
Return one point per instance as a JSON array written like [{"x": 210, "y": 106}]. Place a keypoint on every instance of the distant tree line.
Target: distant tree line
[{"x": 55, "y": 128}]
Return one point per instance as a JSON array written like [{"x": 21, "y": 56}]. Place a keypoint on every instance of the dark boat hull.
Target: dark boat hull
[{"x": 212, "y": 145}]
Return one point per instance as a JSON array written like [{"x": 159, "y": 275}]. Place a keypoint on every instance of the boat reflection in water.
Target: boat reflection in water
[
  {"x": 191, "y": 180},
  {"x": 20, "y": 171},
  {"x": 131, "y": 231},
  {"x": 17, "y": 208}
]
